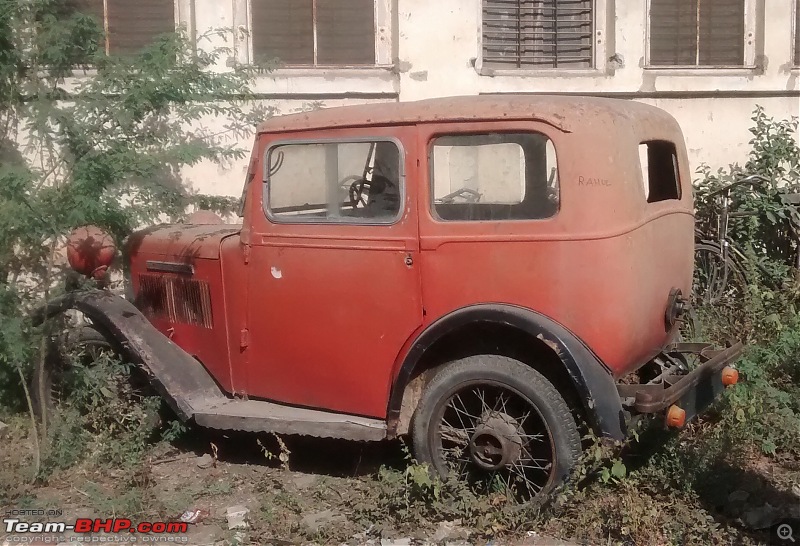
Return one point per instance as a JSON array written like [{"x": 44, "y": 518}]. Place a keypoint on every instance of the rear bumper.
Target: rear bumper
[{"x": 690, "y": 390}]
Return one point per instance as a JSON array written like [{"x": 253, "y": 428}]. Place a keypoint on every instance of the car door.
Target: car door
[{"x": 334, "y": 280}]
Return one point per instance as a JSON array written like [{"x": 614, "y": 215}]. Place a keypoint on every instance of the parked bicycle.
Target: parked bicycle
[{"x": 722, "y": 267}]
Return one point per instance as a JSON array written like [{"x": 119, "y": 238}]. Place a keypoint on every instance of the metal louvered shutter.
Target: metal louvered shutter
[
  {"x": 345, "y": 32},
  {"x": 132, "y": 25},
  {"x": 673, "y": 32},
  {"x": 697, "y": 32},
  {"x": 538, "y": 33},
  {"x": 283, "y": 29}
]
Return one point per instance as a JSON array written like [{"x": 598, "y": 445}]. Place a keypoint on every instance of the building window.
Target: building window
[
  {"x": 700, "y": 33},
  {"x": 538, "y": 33},
  {"x": 128, "y": 25},
  {"x": 494, "y": 177},
  {"x": 314, "y": 32}
]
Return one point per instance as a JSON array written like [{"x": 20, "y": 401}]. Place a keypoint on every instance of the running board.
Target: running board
[
  {"x": 259, "y": 416},
  {"x": 188, "y": 387}
]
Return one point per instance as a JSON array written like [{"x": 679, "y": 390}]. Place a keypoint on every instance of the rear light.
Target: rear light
[
  {"x": 676, "y": 416},
  {"x": 677, "y": 305},
  {"x": 730, "y": 376}
]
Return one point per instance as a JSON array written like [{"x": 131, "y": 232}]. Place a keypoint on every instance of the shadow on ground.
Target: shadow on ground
[
  {"x": 326, "y": 456},
  {"x": 754, "y": 497}
]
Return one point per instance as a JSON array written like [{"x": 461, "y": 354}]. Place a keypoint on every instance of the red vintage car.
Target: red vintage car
[{"x": 477, "y": 273}]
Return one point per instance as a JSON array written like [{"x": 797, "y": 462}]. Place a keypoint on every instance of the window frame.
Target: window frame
[
  {"x": 345, "y": 221},
  {"x": 182, "y": 13},
  {"x": 748, "y": 42},
  {"x": 431, "y": 181},
  {"x": 600, "y": 29},
  {"x": 646, "y": 183},
  {"x": 243, "y": 21},
  {"x": 795, "y": 54}
]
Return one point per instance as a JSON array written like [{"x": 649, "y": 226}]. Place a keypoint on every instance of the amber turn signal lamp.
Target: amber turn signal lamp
[
  {"x": 730, "y": 376},
  {"x": 676, "y": 416}
]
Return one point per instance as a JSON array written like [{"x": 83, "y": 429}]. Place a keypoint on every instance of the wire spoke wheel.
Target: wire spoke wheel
[
  {"x": 494, "y": 438},
  {"x": 719, "y": 287},
  {"x": 497, "y": 425}
]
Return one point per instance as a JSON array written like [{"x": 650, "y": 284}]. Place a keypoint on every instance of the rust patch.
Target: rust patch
[
  {"x": 550, "y": 343},
  {"x": 411, "y": 398}
]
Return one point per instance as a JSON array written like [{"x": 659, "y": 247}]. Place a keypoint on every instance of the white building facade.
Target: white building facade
[{"x": 707, "y": 62}]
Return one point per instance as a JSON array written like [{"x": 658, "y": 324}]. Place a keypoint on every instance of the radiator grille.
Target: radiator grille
[{"x": 176, "y": 299}]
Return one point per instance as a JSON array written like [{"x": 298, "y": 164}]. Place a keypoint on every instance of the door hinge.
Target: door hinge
[
  {"x": 246, "y": 253},
  {"x": 244, "y": 338}
]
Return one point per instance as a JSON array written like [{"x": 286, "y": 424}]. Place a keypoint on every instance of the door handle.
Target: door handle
[{"x": 409, "y": 260}]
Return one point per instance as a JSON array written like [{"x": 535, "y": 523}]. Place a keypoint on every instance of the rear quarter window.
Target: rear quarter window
[
  {"x": 660, "y": 172},
  {"x": 493, "y": 176}
]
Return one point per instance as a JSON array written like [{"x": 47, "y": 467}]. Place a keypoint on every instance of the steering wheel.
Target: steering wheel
[
  {"x": 356, "y": 192},
  {"x": 378, "y": 184}
]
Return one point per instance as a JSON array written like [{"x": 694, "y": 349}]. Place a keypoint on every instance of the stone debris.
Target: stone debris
[
  {"x": 205, "y": 461},
  {"x": 738, "y": 496},
  {"x": 737, "y": 502},
  {"x": 304, "y": 481},
  {"x": 237, "y": 517},
  {"x": 315, "y": 521},
  {"x": 761, "y": 517},
  {"x": 450, "y": 530},
  {"x": 195, "y": 515}
]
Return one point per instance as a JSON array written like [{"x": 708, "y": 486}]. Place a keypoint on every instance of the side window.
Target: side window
[
  {"x": 660, "y": 174},
  {"x": 499, "y": 176},
  {"x": 356, "y": 182}
]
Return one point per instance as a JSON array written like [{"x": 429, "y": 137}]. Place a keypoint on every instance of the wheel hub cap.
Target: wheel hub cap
[{"x": 496, "y": 441}]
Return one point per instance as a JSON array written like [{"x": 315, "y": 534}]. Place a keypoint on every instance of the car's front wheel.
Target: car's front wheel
[{"x": 497, "y": 424}]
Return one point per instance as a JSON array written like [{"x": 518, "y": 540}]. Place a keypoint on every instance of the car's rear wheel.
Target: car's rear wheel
[{"x": 497, "y": 424}]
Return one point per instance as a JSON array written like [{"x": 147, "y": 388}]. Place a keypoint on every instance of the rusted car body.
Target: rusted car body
[{"x": 385, "y": 249}]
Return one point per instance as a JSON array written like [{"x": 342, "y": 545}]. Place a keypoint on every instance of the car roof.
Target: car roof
[{"x": 565, "y": 112}]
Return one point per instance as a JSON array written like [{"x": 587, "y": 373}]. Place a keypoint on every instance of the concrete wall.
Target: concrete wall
[{"x": 432, "y": 48}]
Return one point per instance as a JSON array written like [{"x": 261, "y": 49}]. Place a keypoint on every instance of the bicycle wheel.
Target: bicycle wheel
[{"x": 719, "y": 289}]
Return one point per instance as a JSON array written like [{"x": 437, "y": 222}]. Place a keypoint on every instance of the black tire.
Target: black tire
[
  {"x": 87, "y": 343},
  {"x": 534, "y": 424}
]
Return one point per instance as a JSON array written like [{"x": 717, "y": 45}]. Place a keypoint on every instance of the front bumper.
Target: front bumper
[{"x": 691, "y": 390}]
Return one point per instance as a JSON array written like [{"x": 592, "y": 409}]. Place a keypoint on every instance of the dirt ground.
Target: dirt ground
[
  {"x": 321, "y": 491},
  {"x": 323, "y": 499}
]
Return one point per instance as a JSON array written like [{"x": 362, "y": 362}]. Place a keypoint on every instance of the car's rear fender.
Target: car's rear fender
[{"x": 591, "y": 379}]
